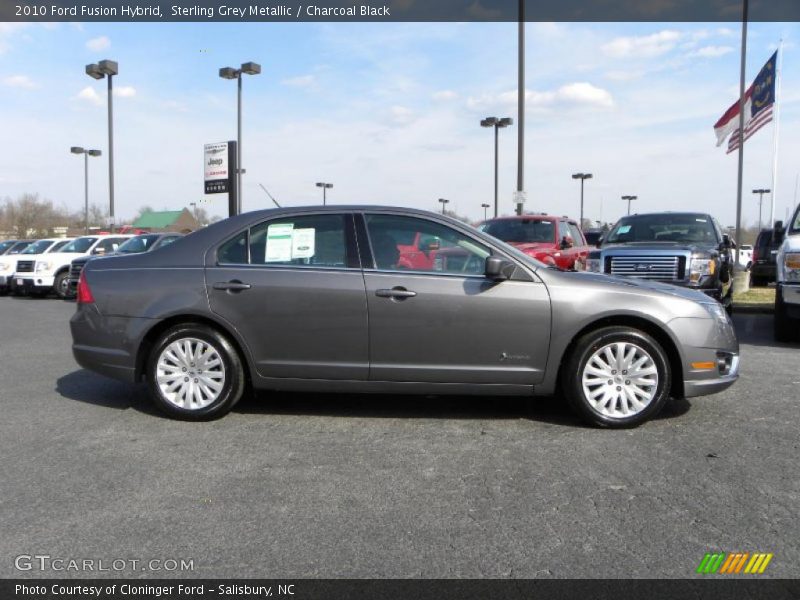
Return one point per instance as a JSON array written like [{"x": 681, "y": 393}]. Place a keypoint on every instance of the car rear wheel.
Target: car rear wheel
[
  {"x": 758, "y": 281},
  {"x": 194, "y": 373},
  {"x": 617, "y": 377}
]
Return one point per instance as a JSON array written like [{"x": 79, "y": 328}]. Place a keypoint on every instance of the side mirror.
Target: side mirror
[
  {"x": 498, "y": 269},
  {"x": 567, "y": 242},
  {"x": 99, "y": 251},
  {"x": 726, "y": 242},
  {"x": 778, "y": 233},
  {"x": 599, "y": 241}
]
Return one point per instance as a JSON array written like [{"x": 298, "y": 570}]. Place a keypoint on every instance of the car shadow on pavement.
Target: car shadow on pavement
[
  {"x": 755, "y": 329},
  {"x": 552, "y": 410},
  {"x": 84, "y": 386}
]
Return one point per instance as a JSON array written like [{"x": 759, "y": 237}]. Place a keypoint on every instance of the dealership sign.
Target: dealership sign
[{"x": 217, "y": 168}]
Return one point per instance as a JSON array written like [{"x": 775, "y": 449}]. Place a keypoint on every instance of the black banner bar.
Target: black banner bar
[
  {"x": 413, "y": 589},
  {"x": 397, "y": 10}
]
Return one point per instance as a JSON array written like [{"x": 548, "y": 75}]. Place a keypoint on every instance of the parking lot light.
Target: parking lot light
[
  {"x": 484, "y": 206},
  {"x": 444, "y": 202},
  {"x": 629, "y": 199},
  {"x": 325, "y": 187},
  {"x": 497, "y": 123},
  {"x": 760, "y": 192},
  {"x": 86, "y": 155},
  {"x": 583, "y": 177},
  {"x": 107, "y": 68},
  {"x": 248, "y": 68}
]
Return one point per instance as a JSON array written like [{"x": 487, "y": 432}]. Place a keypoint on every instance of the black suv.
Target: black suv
[
  {"x": 686, "y": 249},
  {"x": 762, "y": 271}
]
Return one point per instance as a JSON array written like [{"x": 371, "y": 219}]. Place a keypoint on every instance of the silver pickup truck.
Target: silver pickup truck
[{"x": 787, "y": 293}]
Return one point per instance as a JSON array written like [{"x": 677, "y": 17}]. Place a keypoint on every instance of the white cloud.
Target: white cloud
[
  {"x": 6, "y": 31},
  {"x": 578, "y": 93},
  {"x": 99, "y": 43},
  {"x": 624, "y": 75},
  {"x": 445, "y": 95},
  {"x": 20, "y": 81},
  {"x": 299, "y": 81},
  {"x": 645, "y": 46},
  {"x": 90, "y": 95},
  {"x": 401, "y": 115},
  {"x": 711, "y": 51},
  {"x": 126, "y": 91}
]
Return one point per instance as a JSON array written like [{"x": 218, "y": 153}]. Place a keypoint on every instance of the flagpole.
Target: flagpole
[
  {"x": 741, "y": 132},
  {"x": 776, "y": 131}
]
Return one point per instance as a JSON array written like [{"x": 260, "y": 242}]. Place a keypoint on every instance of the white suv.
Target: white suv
[
  {"x": 787, "y": 294},
  {"x": 26, "y": 260},
  {"x": 51, "y": 271}
]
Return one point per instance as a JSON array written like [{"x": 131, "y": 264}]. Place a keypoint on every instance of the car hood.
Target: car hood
[
  {"x": 532, "y": 246},
  {"x": 792, "y": 243},
  {"x": 65, "y": 257},
  {"x": 643, "y": 284},
  {"x": 638, "y": 247}
]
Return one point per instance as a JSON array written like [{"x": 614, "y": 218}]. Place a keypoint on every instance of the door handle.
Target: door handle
[
  {"x": 399, "y": 293},
  {"x": 231, "y": 286}
]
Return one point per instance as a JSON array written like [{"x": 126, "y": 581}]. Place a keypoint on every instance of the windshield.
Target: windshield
[
  {"x": 520, "y": 231},
  {"x": 691, "y": 228},
  {"x": 140, "y": 243},
  {"x": 58, "y": 245},
  {"x": 79, "y": 245},
  {"x": 5, "y": 246},
  {"x": 18, "y": 247},
  {"x": 37, "y": 247}
]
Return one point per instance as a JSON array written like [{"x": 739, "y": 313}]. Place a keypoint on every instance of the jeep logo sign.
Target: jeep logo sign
[{"x": 216, "y": 171}]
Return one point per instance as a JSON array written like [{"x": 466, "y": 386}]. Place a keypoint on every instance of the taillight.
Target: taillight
[{"x": 84, "y": 293}]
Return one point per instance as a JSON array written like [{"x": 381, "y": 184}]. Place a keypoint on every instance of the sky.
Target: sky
[{"x": 389, "y": 113}]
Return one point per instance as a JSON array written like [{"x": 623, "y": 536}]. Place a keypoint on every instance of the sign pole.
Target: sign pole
[{"x": 233, "y": 179}]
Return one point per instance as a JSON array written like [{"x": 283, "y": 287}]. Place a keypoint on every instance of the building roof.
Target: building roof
[{"x": 157, "y": 219}]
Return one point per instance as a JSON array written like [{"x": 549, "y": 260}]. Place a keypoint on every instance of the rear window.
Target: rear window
[{"x": 521, "y": 231}]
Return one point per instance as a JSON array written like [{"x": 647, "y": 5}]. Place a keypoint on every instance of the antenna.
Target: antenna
[{"x": 270, "y": 195}]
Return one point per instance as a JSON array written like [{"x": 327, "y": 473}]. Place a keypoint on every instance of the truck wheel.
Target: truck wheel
[
  {"x": 194, "y": 373},
  {"x": 757, "y": 281},
  {"x": 61, "y": 284},
  {"x": 785, "y": 328},
  {"x": 617, "y": 377}
]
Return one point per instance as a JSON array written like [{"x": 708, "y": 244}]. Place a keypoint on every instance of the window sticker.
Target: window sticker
[
  {"x": 303, "y": 243},
  {"x": 279, "y": 242},
  {"x": 701, "y": 220},
  {"x": 623, "y": 229}
]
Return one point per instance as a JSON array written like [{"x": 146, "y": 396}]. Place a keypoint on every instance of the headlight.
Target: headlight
[
  {"x": 791, "y": 267},
  {"x": 43, "y": 266},
  {"x": 716, "y": 310},
  {"x": 593, "y": 265},
  {"x": 700, "y": 267},
  {"x": 5, "y": 266}
]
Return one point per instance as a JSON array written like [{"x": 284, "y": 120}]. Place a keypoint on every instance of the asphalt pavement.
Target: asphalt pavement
[{"x": 299, "y": 485}]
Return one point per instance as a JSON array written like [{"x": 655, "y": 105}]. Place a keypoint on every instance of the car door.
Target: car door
[
  {"x": 449, "y": 324},
  {"x": 293, "y": 288}
]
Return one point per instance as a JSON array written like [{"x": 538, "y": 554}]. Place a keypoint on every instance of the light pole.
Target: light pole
[
  {"x": 325, "y": 187},
  {"x": 86, "y": 155},
  {"x": 108, "y": 68},
  {"x": 760, "y": 192},
  {"x": 250, "y": 68},
  {"x": 444, "y": 202},
  {"x": 497, "y": 123},
  {"x": 484, "y": 206},
  {"x": 629, "y": 198},
  {"x": 583, "y": 177},
  {"x": 194, "y": 209}
]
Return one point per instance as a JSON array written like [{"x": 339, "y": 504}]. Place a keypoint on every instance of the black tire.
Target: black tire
[
  {"x": 757, "y": 281},
  {"x": 785, "y": 328},
  {"x": 61, "y": 284},
  {"x": 233, "y": 385},
  {"x": 586, "y": 346}
]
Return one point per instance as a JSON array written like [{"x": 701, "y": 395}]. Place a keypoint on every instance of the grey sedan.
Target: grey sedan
[{"x": 377, "y": 299}]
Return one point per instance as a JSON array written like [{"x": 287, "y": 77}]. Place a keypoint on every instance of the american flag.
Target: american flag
[{"x": 756, "y": 123}]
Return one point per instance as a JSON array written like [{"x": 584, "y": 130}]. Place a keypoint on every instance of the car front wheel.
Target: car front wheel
[
  {"x": 617, "y": 377},
  {"x": 194, "y": 373},
  {"x": 785, "y": 328}
]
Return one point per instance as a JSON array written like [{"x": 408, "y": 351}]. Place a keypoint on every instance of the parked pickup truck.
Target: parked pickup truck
[
  {"x": 552, "y": 240},
  {"x": 787, "y": 292},
  {"x": 51, "y": 271},
  {"x": 686, "y": 249}
]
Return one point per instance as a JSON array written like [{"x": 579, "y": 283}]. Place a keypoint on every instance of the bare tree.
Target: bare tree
[{"x": 28, "y": 216}]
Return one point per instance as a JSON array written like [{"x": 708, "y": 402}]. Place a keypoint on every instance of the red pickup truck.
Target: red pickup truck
[{"x": 552, "y": 240}]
